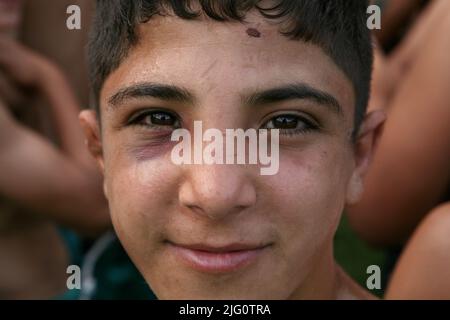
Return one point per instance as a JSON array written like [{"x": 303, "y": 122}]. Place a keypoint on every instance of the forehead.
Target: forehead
[{"x": 208, "y": 56}]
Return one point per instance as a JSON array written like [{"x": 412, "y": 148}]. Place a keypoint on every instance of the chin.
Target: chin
[
  {"x": 216, "y": 289},
  {"x": 210, "y": 295}
]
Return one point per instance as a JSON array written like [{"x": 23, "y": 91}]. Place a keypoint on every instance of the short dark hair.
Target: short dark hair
[{"x": 337, "y": 26}]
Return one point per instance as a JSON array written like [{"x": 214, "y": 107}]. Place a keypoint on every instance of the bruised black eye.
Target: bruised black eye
[{"x": 155, "y": 119}]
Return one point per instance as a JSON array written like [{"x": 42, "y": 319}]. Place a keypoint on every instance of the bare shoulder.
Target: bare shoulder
[
  {"x": 423, "y": 271},
  {"x": 434, "y": 232}
]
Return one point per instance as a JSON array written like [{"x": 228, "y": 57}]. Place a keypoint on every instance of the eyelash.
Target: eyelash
[
  {"x": 309, "y": 125},
  {"x": 138, "y": 118}
]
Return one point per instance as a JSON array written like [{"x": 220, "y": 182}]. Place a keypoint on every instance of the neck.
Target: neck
[{"x": 327, "y": 281}]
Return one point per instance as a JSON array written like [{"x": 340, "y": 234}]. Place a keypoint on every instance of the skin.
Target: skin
[
  {"x": 395, "y": 15},
  {"x": 44, "y": 30},
  {"x": 422, "y": 271},
  {"x": 41, "y": 182},
  {"x": 10, "y": 17},
  {"x": 294, "y": 213},
  {"x": 398, "y": 196},
  {"x": 33, "y": 184}
]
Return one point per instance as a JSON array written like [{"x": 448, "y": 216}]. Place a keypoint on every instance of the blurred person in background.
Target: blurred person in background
[
  {"x": 47, "y": 178},
  {"x": 410, "y": 175}
]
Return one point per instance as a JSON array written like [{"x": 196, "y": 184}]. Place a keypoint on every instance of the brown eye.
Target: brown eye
[
  {"x": 155, "y": 119},
  {"x": 289, "y": 124},
  {"x": 160, "y": 119},
  {"x": 285, "y": 122}
]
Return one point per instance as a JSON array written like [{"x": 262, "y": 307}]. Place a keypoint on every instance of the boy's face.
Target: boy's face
[{"x": 225, "y": 231}]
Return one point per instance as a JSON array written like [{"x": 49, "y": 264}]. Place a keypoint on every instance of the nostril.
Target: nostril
[
  {"x": 217, "y": 191},
  {"x": 214, "y": 205},
  {"x": 195, "y": 209}
]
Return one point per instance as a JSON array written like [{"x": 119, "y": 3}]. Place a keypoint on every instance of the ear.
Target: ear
[
  {"x": 90, "y": 124},
  {"x": 365, "y": 146}
]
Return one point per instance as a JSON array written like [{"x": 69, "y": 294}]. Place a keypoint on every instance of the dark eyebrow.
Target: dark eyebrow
[
  {"x": 153, "y": 90},
  {"x": 294, "y": 91}
]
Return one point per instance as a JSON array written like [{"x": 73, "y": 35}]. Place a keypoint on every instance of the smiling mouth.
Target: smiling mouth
[{"x": 223, "y": 259}]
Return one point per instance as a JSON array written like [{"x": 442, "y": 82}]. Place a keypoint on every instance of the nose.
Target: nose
[{"x": 217, "y": 191}]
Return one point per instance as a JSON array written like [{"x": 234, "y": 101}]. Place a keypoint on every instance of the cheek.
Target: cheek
[
  {"x": 311, "y": 187},
  {"x": 140, "y": 193}
]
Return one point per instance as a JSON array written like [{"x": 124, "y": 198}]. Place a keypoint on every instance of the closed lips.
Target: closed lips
[{"x": 219, "y": 259}]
